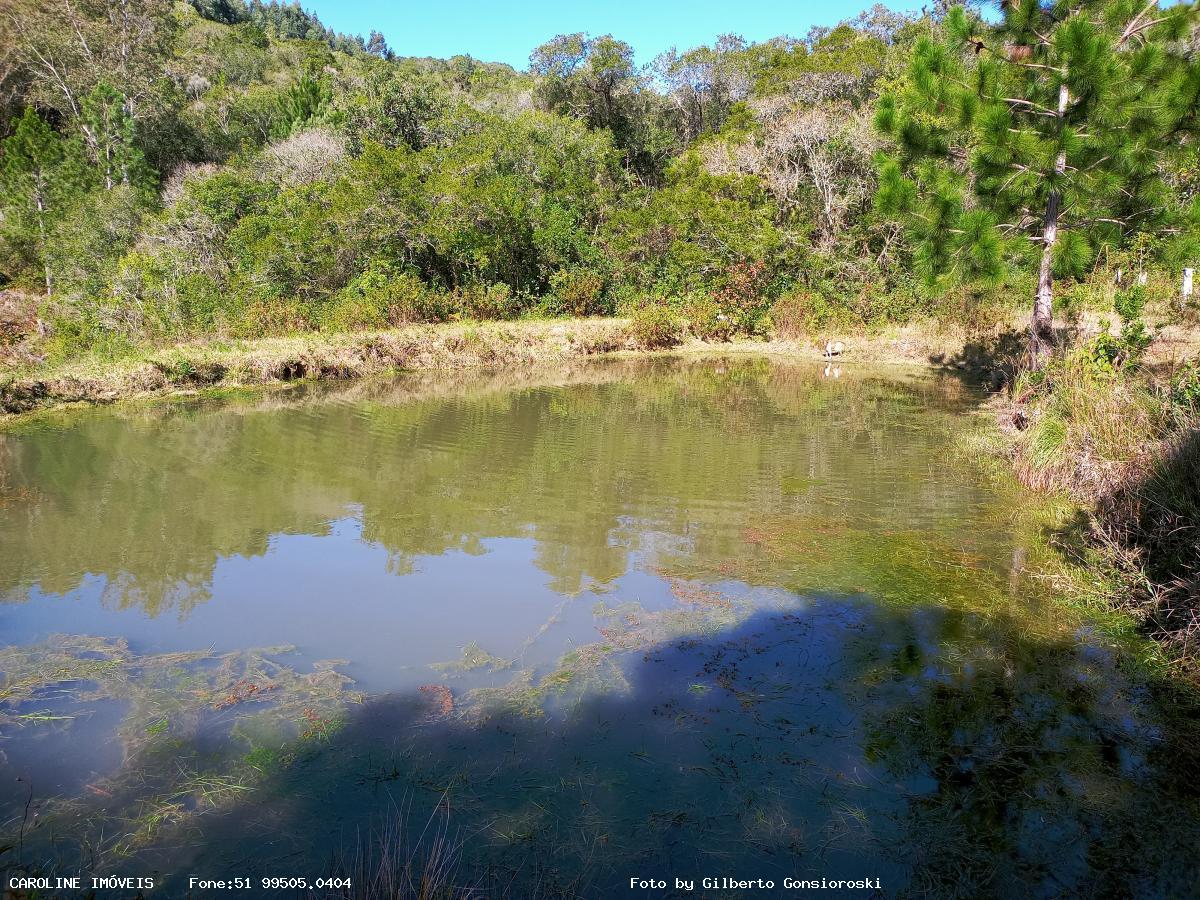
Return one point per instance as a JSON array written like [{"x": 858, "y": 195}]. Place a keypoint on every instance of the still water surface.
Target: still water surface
[{"x": 694, "y": 617}]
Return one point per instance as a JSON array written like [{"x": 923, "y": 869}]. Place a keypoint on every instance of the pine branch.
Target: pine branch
[
  {"x": 1028, "y": 65},
  {"x": 1142, "y": 28},
  {"x": 1133, "y": 27},
  {"x": 1083, "y": 223},
  {"x": 1004, "y": 58},
  {"x": 1041, "y": 110}
]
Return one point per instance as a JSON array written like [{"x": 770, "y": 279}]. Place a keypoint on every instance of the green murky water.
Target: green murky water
[{"x": 541, "y": 632}]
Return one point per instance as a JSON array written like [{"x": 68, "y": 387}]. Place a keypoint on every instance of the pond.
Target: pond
[{"x": 539, "y": 632}]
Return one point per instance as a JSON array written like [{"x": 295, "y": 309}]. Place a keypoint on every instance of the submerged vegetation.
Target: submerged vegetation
[{"x": 168, "y": 768}]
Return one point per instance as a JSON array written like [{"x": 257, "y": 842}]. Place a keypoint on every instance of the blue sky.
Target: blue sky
[{"x": 508, "y": 31}]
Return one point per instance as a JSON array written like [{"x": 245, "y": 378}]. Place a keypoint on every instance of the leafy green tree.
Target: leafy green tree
[
  {"x": 91, "y": 235},
  {"x": 38, "y": 176},
  {"x": 584, "y": 77},
  {"x": 841, "y": 64},
  {"x": 704, "y": 83},
  {"x": 688, "y": 234},
  {"x": 388, "y": 108},
  {"x": 1046, "y": 131},
  {"x": 595, "y": 80},
  {"x": 514, "y": 199},
  {"x": 69, "y": 48}
]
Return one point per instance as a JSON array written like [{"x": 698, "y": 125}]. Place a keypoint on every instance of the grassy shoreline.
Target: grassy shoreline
[{"x": 188, "y": 367}]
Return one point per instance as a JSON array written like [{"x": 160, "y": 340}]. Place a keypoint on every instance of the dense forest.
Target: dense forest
[{"x": 231, "y": 168}]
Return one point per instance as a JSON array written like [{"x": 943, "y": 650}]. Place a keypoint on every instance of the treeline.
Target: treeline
[{"x": 228, "y": 167}]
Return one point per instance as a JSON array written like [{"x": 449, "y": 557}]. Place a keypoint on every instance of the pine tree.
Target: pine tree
[
  {"x": 1039, "y": 139},
  {"x": 109, "y": 131},
  {"x": 35, "y": 169}
]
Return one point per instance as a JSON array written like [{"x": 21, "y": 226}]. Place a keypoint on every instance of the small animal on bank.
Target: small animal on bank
[{"x": 834, "y": 348}]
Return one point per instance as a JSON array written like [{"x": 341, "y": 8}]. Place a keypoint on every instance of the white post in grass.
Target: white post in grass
[{"x": 1187, "y": 285}]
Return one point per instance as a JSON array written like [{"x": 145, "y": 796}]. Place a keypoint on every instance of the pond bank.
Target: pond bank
[{"x": 186, "y": 368}]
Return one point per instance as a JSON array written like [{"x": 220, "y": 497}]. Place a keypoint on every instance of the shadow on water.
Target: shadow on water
[
  {"x": 943, "y": 752},
  {"x": 991, "y": 360}
]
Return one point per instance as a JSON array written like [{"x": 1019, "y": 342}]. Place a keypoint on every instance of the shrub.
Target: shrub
[
  {"x": 1185, "y": 392},
  {"x": 742, "y": 298},
  {"x": 1074, "y": 299},
  {"x": 478, "y": 301},
  {"x": 577, "y": 292},
  {"x": 18, "y": 314},
  {"x": 1130, "y": 304},
  {"x": 788, "y": 315},
  {"x": 76, "y": 333},
  {"x": 706, "y": 320},
  {"x": 303, "y": 158},
  {"x": 880, "y": 304},
  {"x": 1108, "y": 353},
  {"x": 272, "y": 316},
  {"x": 796, "y": 313},
  {"x": 654, "y": 326},
  {"x": 350, "y": 312},
  {"x": 381, "y": 296}
]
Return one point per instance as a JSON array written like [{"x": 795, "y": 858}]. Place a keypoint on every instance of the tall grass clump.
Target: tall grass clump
[
  {"x": 1123, "y": 439},
  {"x": 1088, "y": 430},
  {"x": 394, "y": 861}
]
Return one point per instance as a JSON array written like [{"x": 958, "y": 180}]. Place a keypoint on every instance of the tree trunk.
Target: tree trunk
[
  {"x": 1041, "y": 329},
  {"x": 41, "y": 217}
]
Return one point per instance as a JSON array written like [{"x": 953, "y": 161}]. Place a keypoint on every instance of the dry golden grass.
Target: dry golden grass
[{"x": 188, "y": 367}]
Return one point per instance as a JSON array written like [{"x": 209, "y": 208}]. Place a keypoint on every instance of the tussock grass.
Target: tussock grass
[
  {"x": 1088, "y": 432},
  {"x": 399, "y": 862},
  {"x": 1127, "y": 448}
]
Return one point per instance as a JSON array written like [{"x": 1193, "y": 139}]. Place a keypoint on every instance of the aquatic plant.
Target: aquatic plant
[
  {"x": 263, "y": 708},
  {"x": 474, "y": 657}
]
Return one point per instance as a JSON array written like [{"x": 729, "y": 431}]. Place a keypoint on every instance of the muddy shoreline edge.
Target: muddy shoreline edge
[{"x": 187, "y": 368}]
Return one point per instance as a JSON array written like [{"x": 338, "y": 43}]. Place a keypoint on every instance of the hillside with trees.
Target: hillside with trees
[{"x": 174, "y": 171}]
